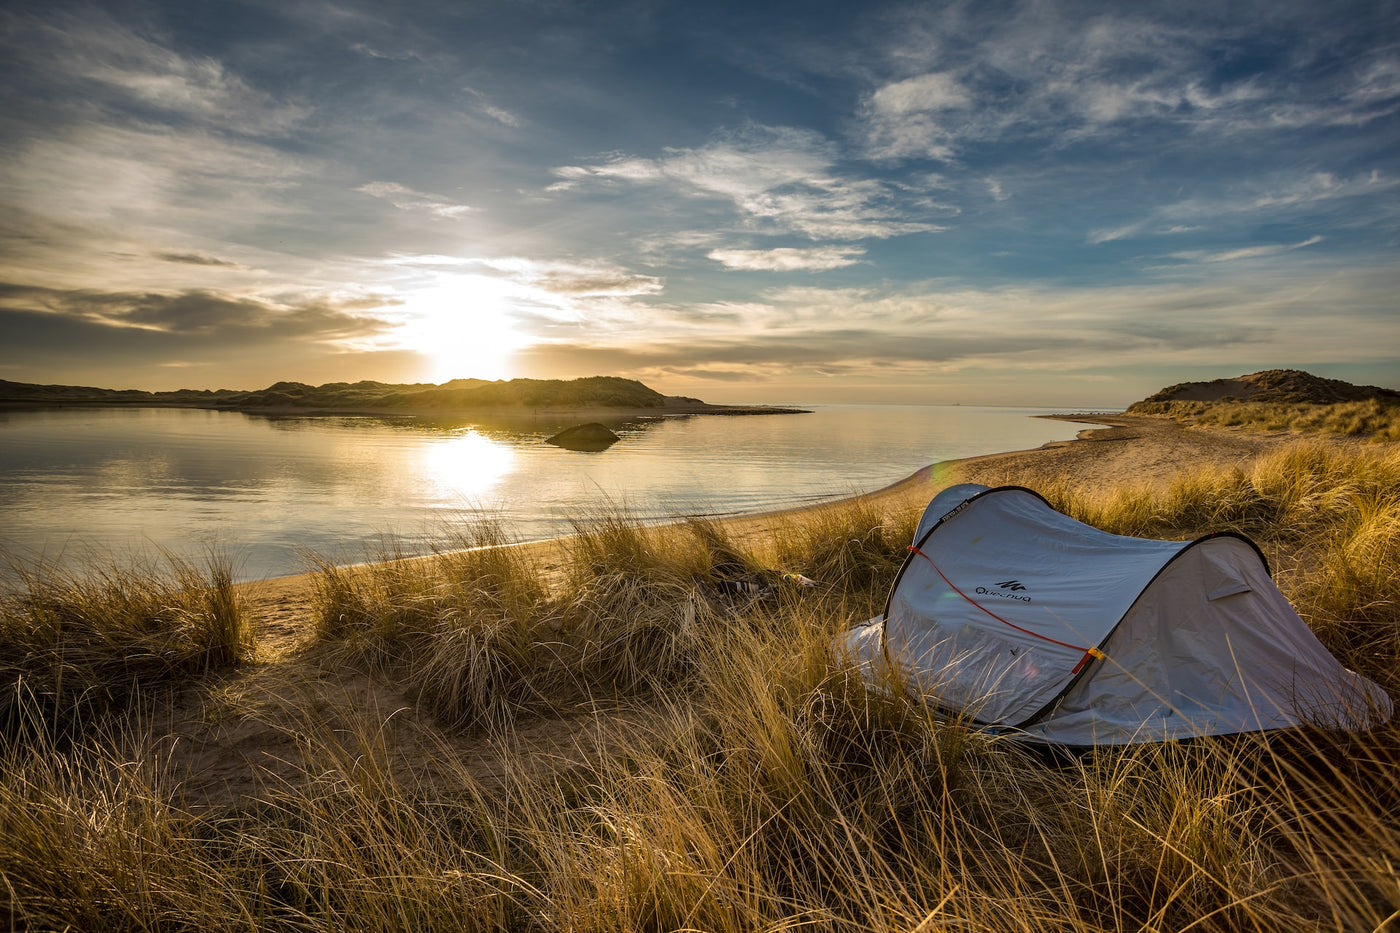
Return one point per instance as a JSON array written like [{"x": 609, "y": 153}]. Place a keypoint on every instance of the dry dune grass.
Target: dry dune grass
[
  {"x": 76, "y": 648},
  {"x": 1376, "y": 419},
  {"x": 768, "y": 788}
]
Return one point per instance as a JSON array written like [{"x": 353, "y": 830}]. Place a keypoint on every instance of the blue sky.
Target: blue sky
[{"x": 1047, "y": 203}]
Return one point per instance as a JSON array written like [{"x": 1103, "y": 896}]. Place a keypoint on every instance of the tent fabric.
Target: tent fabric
[{"x": 1030, "y": 622}]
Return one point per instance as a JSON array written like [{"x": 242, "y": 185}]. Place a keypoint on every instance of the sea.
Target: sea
[{"x": 92, "y": 487}]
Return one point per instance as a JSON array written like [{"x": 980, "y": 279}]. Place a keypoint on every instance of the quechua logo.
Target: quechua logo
[{"x": 1006, "y": 589}]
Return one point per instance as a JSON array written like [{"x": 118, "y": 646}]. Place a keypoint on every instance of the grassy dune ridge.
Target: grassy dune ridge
[
  {"x": 1281, "y": 400},
  {"x": 1375, "y": 419},
  {"x": 766, "y": 787}
]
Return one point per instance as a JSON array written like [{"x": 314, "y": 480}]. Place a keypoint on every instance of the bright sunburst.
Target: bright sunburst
[{"x": 462, "y": 327}]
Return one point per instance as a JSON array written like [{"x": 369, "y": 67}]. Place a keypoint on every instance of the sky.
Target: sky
[{"x": 987, "y": 202}]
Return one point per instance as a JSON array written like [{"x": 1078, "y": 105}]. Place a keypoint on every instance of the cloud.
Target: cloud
[
  {"x": 1108, "y": 235},
  {"x": 406, "y": 199},
  {"x": 499, "y": 114},
  {"x": 787, "y": 259},
  {"x": 1307, "y": 189},
  {"x": 504, "y": 117},
  {"x": 1046, "y": 73},
  {"x": 1249, "y": 252},
  {"x": 67, "y": 349},
  {"x": 111, "y": 208},
  {"x": 197, "y": 259},
  {"x": 738, "y": 166},
  {"x": 904, "y": 118},
  {"x": 923, "y": 94},
  {"x": 781, "y": 180},
  {"x": 374, "y": 51},
  {"x": 709, "y": 374},
  {"x": 93, "y": 189},
  {"x": 1276, "y": 196},
  {"x": 568, "y": 279},
  {"x": 212, "y": 317},
  {"x": 586, "y": 282},
  {"x": 1255, "y": 317},
  {"x": 100, "y": 62}
]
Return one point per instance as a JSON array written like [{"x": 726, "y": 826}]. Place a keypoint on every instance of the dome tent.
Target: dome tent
[{"x": 1040, "y": 626}]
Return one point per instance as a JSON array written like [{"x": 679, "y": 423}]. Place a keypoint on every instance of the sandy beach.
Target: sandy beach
[{"x": 294, "y": 687}]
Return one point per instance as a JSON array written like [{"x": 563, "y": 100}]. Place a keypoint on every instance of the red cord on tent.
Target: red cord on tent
[{"x": 1088, "y": 652}]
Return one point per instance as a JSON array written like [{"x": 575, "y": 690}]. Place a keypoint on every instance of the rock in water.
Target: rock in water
[{"x": 591, "y": 437}]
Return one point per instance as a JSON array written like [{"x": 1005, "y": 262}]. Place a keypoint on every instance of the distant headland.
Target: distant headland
[
  {"x": 613, "y": 394},
  {"x": 1282, "y": 386},
  {"x": 1280, "y": 400}
]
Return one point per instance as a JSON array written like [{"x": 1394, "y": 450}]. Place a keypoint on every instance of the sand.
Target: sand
[{"x": 229, "y": 742}]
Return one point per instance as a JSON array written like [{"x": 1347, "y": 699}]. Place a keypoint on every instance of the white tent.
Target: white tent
[{"x": 1050, "y": 630}]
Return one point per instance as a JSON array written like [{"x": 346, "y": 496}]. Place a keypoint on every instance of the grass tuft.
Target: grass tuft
[
  {"x": 486, "y": 639},
  {"x": 76, "y": 648}
]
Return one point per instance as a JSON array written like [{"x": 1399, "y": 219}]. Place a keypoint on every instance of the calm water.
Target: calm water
[{"x": 76, "y": 483}]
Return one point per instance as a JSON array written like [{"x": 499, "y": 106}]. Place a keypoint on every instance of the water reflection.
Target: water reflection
[
  {"x": 275, "y": 487},
  {"x": 507, "y": 426},
  {"x": 468, "y": 466}
]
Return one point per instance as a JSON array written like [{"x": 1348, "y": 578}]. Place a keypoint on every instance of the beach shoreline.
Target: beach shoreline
[{"x": 1113, "y": 449}]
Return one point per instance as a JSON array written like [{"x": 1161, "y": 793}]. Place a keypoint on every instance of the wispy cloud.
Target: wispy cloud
[
  {"x": 1308, "y": 189},
  {"x": 741, "y": 166},
  {"x": 1117, "y": 233},
  {"x": 574, "y": 279},
  {"x": 593, "y": 282},
  {"x": 1038, "y": 71},
  {"x": 81, "y": 203},
  {"x": 1248, "y": 252},
  {"x": 499, "y": 114},
  {"x": 210, "y": 315},
  {"x": 197, "y": 259},
  {"x": 104, "y": 63},
  {"x": 406, "y": 199},
  {"x": 779, "y": 179},
  {"x": 1269, "y": 197},
  {"x": 789, "y": 259}
]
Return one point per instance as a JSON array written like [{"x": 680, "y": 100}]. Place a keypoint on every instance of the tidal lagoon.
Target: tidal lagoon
[{"x": 94, "y": 484}]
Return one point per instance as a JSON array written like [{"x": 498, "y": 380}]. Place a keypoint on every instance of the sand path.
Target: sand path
[{"x": 231, "y": 740}]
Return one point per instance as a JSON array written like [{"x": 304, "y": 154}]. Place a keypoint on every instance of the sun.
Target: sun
[{"x": 462, "y": 327}]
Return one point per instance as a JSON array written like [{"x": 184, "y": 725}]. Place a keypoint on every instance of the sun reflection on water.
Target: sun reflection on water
[{"x": 466, "y": 466}]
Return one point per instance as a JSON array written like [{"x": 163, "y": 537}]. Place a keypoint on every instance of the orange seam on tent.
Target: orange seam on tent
[{"x": 1088, "y": 652}]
